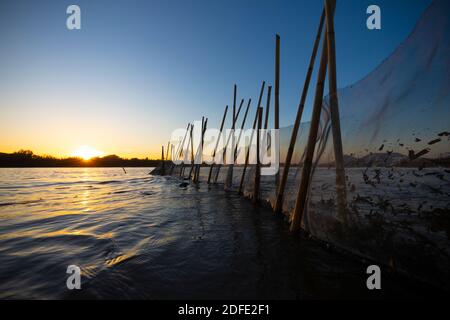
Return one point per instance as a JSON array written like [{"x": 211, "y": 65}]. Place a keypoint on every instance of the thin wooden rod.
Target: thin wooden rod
[
  {"x": 229, "y": 181},
  {"x": 277, "y": 96},
  {"x": 260, "y": 95},
  {"x": 239, "y": 109},
  {"x": 334, "y": 112},
  {"x": 301, "y": 201},
  {"x": 194, "y": 177},
  {"x": 241, "y": 185},
  {"x": 233, "y": 128},
  {"x": 247, "y": 155},
  {"x": 180, "y": 147},
  {"x": 284, "y": 177},
  {"x": 172, "y": 167},
  {"x": 167, "y": 151},
  {"x": 266, "y": 121},
  {"x": 217, "y": 144},
  {"x": 197, "y": 171},
  {"x": 235, "y": 118},
  {"x": 234, "y": 100},
  {"x": 162, "y": 160},
  {"x": 242, "y": 128},
  {"x": 258, "y": 167},
  {"x": 277, "y": 82},
  {"x": 185, "y": 155},
  {"x": 192, "y": 153}
]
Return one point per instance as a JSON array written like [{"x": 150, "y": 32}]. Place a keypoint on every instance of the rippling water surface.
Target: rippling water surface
[{"x": 139, "y": 236}]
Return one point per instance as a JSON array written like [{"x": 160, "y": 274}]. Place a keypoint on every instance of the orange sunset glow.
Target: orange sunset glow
[{"x": 87, "y": 152}]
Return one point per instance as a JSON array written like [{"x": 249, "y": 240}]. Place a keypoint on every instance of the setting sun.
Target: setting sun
[{"x": 87, "y": 152}]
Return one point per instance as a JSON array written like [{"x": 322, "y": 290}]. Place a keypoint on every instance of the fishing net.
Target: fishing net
[{"x": 395, "y": 133}]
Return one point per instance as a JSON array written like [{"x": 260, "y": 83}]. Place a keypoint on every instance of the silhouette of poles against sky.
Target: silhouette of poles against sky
[{"x": 287, "y": 163}]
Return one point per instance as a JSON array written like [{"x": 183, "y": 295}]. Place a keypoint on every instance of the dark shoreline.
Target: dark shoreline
[{"x": 27, "y": 159}]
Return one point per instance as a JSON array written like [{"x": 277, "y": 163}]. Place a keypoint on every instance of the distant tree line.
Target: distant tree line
[{"x": 26, "y": 158}]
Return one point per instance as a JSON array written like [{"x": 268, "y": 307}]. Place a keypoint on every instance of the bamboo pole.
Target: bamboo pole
[
  {"x": 334, "y": 112},
  {"x": 242, "y": 128},
  {"x": 185, "y": 155},
  {"x": 235, "y": 117},
  {"x": 258, "y": 167},
  {"x": 180, "y": 148},
  {"x": 231, "y": 135},
  {"x": 192, "y": 152},
  {"x": 282, "y": 185},
  {"x": 162, "y": 160},
  {"x": 247, "y": 156},
  {"x": 229, "y": 180},
  {"x": 172, "y": 167},
  {"x": 197, "y": 172},
  {"x": 302, "y": 194},
  {"x": 198, "y": 152},
  {"x": 217, "y": 144},
  {"x": 266, "y": 121},
  {"x": 167, "y": 151},
  {"x": 277, "y": 96}
]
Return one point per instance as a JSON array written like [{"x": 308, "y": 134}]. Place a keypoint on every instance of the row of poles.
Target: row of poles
[{"x": 327, "y": 63}]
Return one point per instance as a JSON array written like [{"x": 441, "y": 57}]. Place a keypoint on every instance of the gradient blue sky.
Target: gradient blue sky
[{"x": 139, "y": 69}]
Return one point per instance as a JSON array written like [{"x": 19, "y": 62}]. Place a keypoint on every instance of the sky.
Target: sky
[{"x": 137, "y": 70}]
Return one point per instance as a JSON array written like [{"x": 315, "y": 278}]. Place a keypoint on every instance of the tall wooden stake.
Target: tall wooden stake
[
  {"x": 235, "y": 117},
  {"x": 242, "y": 128},
  {"x": 300, "y": 203},
  {"x": 192, "y": 152},
  {"x": 247, "y": 156},
  {"x": 217, "y": 144},
  {"x": 167, "y": 151},
  {"x": 229, "y": 180},
  {"x": 277, "y": 95},
  {"x": 334, "y": 112},
  {"x": 280, "y": 195},
  {"x": 180, "y": 149},
  {"x": 185, "y": 155},
  {"x": 258, "y": 167},
  {"x": 200, "y": 152},
  {"x": 266, "y": 121},
  {"x": 162, "y": 160},
  {"x": 172, "y": 167}
]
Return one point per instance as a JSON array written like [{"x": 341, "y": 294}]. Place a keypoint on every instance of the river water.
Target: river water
[{"x": 137, "y": 236}]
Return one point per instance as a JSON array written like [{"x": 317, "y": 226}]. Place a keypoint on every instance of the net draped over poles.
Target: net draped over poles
[{"x": 395, "y": 130}]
